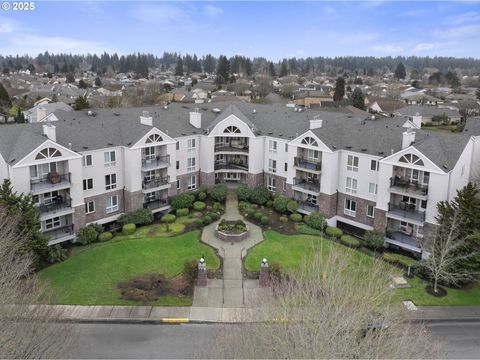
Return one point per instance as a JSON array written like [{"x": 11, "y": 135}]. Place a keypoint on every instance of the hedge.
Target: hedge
[
  {"x": 182, "y": 212},
  {"x": 105, "y": 236},
  {"x": 129, "y": 229},
  {"x": 199, "y": 205},
  {"x": 402, "y": 260},
  {"x": 374, "y": 239},
  {"x": 280, "y": 204},
  {"x": 201, "y": 196},
  {"x": 350, "y": 241},
  {"x": 292, "y": 206},
  {"x": 260, "y": 195},
  {"x": 264, "y": 220},
  {"x": 243, "y": 193},
  {"x": 296, "y": 217},
  {"x": 137, "y": 217},
  {"x": 183, "y": 200},
  {"x": 316, "y": 220},
  {"x": 258, "y": 216},
  {"x": 87, "y": 235},
  {"x": 168, "y": 218},
  {"x": 334, "y": 231},
  {"x": 219, "y": 192},
  {"x": 207, "y": 219}
]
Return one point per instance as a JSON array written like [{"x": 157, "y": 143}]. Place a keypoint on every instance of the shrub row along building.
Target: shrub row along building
[{"x": 362, "y": 173}]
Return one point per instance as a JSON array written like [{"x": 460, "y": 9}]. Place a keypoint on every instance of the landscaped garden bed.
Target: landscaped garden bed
[{"x": 231, "y": 231}]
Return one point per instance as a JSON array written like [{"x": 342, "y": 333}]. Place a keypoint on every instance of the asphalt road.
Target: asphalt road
[{"x": 460, "y": 340}]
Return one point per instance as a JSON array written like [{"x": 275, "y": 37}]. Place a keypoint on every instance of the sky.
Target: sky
[{"x": 274, "y": 30}]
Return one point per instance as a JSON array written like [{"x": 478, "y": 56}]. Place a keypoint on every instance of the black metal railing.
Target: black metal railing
[
  {"x": 156, "y": 162},
  {"x": 221, "y": 165},
  {"x": 155, "y": 182},
  {"x": 60, "y": 232},
  {"x": 307, "y": 184},
  {"x": 308, "y": 206},
  {"x": 155, "y": 204},
  {"x": 235, "y": 148},
  {"x": 58, "y": 204},
  {"x": 408, "y": 186},
  {"x": 407, "y": 211},
  {"x": 313, "y": 165},
  {"x": 50, "y": 181}
]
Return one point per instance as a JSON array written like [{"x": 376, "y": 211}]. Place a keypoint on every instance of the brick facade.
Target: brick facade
[
  {"x": 207, "y": 179},
  {"x": 100, "y": 207},
  {"x": 328, "y": 204},
  {"x": 255, "y": 179},
  {"x": 380, "y": 220},
  {"x": 281, "y": 183},
  {"x": 133, "y": 200},
  {"x": 361, "y": 210}
]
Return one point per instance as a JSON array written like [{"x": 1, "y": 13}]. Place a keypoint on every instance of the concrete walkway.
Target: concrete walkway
[{"x": 232, "y": 291}]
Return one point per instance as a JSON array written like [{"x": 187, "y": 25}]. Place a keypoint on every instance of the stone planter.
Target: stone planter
[{"x": 227, "y": 237}]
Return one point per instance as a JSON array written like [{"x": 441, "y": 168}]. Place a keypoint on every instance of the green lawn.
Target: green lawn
[
  {"x": 288, "y": 251},
  {"x": 90, "y": 276}
]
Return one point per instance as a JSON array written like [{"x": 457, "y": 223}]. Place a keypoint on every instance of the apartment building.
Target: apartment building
[{"x": 362, "y": 173}]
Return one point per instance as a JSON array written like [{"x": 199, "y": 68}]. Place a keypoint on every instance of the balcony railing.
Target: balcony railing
[
  {"x": 409, "y": 186},
  {"x": 220, "y": 165},
  {"x": 307, "y": 184},
  {"x": 50, "y": 182},
  {"x": 60, "y": 232},
  {"x": 313, "y": 165},
  {"x": 155, "y": 204},
  {"x": 406, "y": 211},
  {"x": 230, "y": 148},
  {"x": 59, "y": 204},
  {"x": 307, "y": 206},
  {"x": 155, "y": 182},
  {"x": 157, "y": 162}
]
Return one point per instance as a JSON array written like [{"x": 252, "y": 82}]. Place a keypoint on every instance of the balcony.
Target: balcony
[
  {"x": 307, "y": 207},
  {"x": 222, "y": 165},
  {"x": 242, "y": 148},
  {"x": 307, "y": 184},
  {"x": 156, "y": 204},
  {"x": 403, "y": 241},
  {"x": 52, "y": 181},
  {"x": 156, "y": 163},
  {"x": 405, "y": 211},
  {"x": 58, "y": 206},
  {"x": 309, "y": 165},
  {"x": 60, "y": 234},
  {"x": 156, "y": 182},
  {"x": 409, "y": 187}
]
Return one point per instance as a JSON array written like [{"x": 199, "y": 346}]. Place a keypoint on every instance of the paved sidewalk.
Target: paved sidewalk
[{"x": 446, "y": 313}]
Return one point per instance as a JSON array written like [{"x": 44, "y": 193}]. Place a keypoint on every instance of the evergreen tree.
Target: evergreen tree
[
  {"x": 339, "y": 92},
  {"x": 98, "y": 82},
  {"x": 400, "y": 72},
  {"x": 70, "y": 78},
  {"x": 283, "y": 68},
  {"x": 5, "y": 102},
  {"x": 271, "y": 70},
  {"x": 477, "y": 94},
  {"x": 209, "y": 64},
  {"x": 82, "y": 84},
  {"x": 358, "y": 100},
  {"x": 81, "y": 103},
  {"x": 179, "y": 67},
  {"x": 223, "y": 67},
  {"x": 24, "y": 207}
]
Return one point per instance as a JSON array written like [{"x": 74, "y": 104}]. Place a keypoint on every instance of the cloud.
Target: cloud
[
  {"x": 329, "y": 10},
  {"x": 422, "y": 47},
  {"x": 373, "y": 3},
  {"x": 8, "y": 26},
  {"x": 413, "y": 13},
  {"x": 459, "y": 32},
  {"x": 467, "y": 17},
  {"x": 212, "y": 11},
  {"x": 159, "y": 13},
  {"x": 388, "y": 48}
]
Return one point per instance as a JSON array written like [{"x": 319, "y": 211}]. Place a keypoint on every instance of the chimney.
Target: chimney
[
  {"x": 196, "y": 119},
  {"x": 316, "y": 124},
  {"x": 146, "y": 119},
  {"x": 417, "y": 120},
  {"x": 408, "y": 138},
  {"x": 49, "y": 131},
  {"x": 41, "y": 113}
]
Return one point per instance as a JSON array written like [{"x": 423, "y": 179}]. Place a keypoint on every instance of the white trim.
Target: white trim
[
  {"x": 428, "y": 164},
  {"x": 321, "y": 145},
  {"x": 48, "y": 143},
  {"x": 250, "y": 134},
  {"x": 142, "y": 142}
]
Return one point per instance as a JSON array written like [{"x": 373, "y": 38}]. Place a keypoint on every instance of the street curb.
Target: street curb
[
  {"x": 171, "y": 321},
  {"x": 451, "y": 319}
]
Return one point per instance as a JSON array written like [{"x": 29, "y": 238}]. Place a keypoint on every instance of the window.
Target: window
[
  {"x": 177, "y": 165},
  {"x": 313, "y": 155},
  {"x": 48, "y": 153},
  {"x": 191, "y": 145},
  {"x": 87, "y": 184},
  {"x": 149, "y": 197},
  {"x": 178, "y": 184},
  {"x": 87, "y": 160},
  {"x": 177, "y": 145},
  {"x": 192, "y": 182},
  {"x": 272, "y": 184},
  {"x": 49, "y": 197},
  {"x": 191, "y": 164},
  {"x": 285, "y": 167},
  {"x": 111, "y": 204},
  {"x": 149, "y": 175},
  {"x": 372, "y": 188},
  {"x": 272, "y": 146},
  {"x": 351, "y": 185},
  {"x": 309, "y": 141},
  {"x": 231, "y": 130},
  {"x": 47, "y": 168},
  {"x": 352, "y": 163},
  {"x": 284, "y": 186},
  {"x": 110, "y": 181},
  {"x": 350, "y": 208},
  {"x": 463, "y": 170},
  {"x": 286, "y": 147},
  {"x": 154, "y": 138},
  {"x": 411, "y": 159},
  {"x": 109, "y": 157},
  {"x": 370, "y": 211},
  {"x": 52, "y": 223},
  {"x": 150, "y": 153},
  {"x": 272, "y": 165},
  {"x": 374, "y": 165},
  {"x": 33, "y": 171},
  {"x": 426, "y": 177},
  {"x": 89, "y": 207},
  {"x": 423, "y": 204}
]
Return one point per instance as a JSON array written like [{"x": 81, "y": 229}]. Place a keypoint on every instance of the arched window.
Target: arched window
[
  {"x": 48, "y": 153},
  {"x": 411, "y": 159},
  {"x": 154, "y": 138},
  {"x": 309, "y": 141},
  {"x": 231, "y": 130}
]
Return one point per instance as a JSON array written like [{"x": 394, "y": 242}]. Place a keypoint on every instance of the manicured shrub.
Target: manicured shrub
[
  {"x": 250, "y": 212},
  {"x": 98, "y": 228},
  {"x": 280, "y": 204},
  {"x": 269, "y": 203},
  {"x": 56, "y": 253},
  {"x": 190, "y": 270},
  {"x": 258, "y": 216},
  {"x": 334, "y": 231},
  {"x": 243, "y": 193},
  {"x": 105, "y": 236},
  {"x": 292, "y": 206},
  {"x": 183, "y": 200},
  {"x": 236, "y": 227},
  {"x": 201, "y": 196},
  {"x": 218, "y": 208},
  {"x": 283, "y": 219},
  {"x": 374, "y": 239},
  {"x": 260, "y": 195},
  {"x": 350, "y": 241},
  {"x": 199, "y": 205},
  {"x": 207, "y": 219},
  {"x": 243, "y": 206},
  {"x": 307, "y": 230},
  {"x": 215, "y": 216},
  {"x": 254, "y": 206},
  {"x": 201, "y": 189},
  {"x": 138, "y": 217},
  {"x": 182, "y": 212},
  {"x": 87, "y": 235},
  {"x": 296, "y": 217},
  {"x": 316, "y": 220},
  {"x": 198, "y": 222},
  {"x": 219, "y": 192},
  {"x": 402, "y": 260},
  {"x": 264, "y": 220},
  {"x": 129, "y": 229}
]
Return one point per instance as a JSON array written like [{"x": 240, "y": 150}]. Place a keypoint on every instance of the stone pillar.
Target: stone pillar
[
  {"x": 264, "y": 273},
  {"x": 202, "y": 273}
]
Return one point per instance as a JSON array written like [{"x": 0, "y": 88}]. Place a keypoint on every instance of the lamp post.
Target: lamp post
[
  {"x": 264, "y": 273},
  {"x": 202, "y": 272}
]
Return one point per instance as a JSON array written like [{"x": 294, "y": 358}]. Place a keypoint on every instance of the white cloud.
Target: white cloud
[
  {"x": 388, "y": 48},
  {"x": 159, "y": 13},
  {"x": 212, "y": 11},
  {"x": 422, "y": 47},
  {"x": 460, "y": 32},
  {"x": 300, "y": 52},
  {"x": 329, "y": 10},
  {"x": 413, "y": 13},
  {"x": 373, "y": 3},
  {"x": 8, "y": 26},
  {"x": 467, "y": 17}
]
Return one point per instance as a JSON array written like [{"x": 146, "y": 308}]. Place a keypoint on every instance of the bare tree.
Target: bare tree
[
  {"x": 241, "y": 86},
  {"x": 331, "y": 307},
  {"x": 264, "y": 85},
  {"x": 443, "y": 247},
  {"x": 289, "y": 89},
  {"x": 26, "y": 330}
]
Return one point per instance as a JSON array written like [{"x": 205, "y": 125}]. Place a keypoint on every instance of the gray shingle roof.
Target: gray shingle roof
[{"x": 426, "y": 111}]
